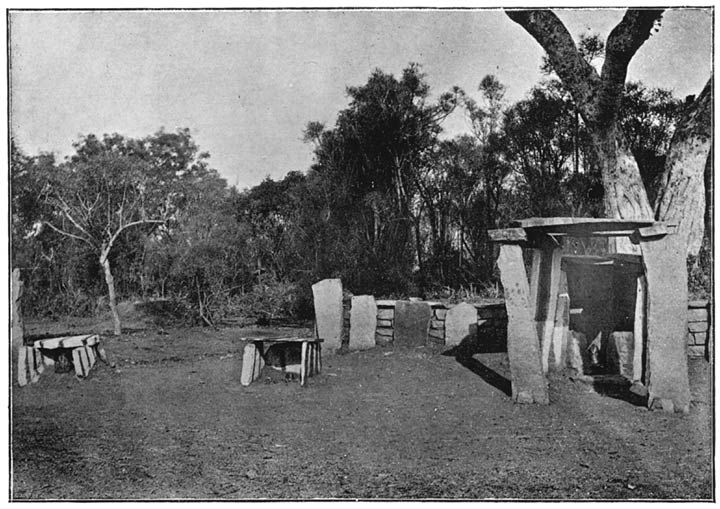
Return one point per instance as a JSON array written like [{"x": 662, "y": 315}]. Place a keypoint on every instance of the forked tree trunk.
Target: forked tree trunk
[
  {"x": 598, "y": 99},
  {"x": 110, "y": 281},
  {"x": 625, "y": 194}
]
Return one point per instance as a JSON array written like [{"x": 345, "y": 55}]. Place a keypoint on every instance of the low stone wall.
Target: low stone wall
[
  {"x": 699, "y": 328},
  {"x": 492, "y": 325}
]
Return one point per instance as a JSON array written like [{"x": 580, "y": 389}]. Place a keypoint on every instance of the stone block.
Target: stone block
[
  {"x": 363, "y": 322},
  {"x": 697, "y": 315},
  {"x": 385, "y": 313},
  {"x": 384, "y": 331},
  {"x": 382, "y": 340},
  {"x": 461, "y": 323},
  {"x": 412, "y": 323},
  {"x": 696, "y": 351},
  {"x": 437, "y": 334},
  {"x": 437, "y": 324},
  {"x": 328, "y": 301},
  {"x": 385, "y": 323},
  {"x": 697, "y": 326},
  {"x": 440, "y": 313}
]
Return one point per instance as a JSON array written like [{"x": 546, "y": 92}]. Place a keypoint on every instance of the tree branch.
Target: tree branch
[
  {"x": 576, "y": 74},
  {"x": 66, "y": 212},
  {"x": 71, "y": 235},
  {"x": 622, "y": 44},
  {"x": 108, "y": 245}
]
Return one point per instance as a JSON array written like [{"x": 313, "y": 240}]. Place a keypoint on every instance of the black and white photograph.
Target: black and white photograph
[{"x": 378, "y": 253}]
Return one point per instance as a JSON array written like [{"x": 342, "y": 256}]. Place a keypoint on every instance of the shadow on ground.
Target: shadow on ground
[{"x": 476, "y": 342}]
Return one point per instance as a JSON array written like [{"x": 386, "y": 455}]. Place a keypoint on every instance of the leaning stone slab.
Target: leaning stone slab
[
  {"x": 328, "y": 301},
  {"x": 363, "y": 321},
  {"x": 461, "y": 322},
  {"x": 528, "y": 381},
  {"x": 412, "y": 323}
]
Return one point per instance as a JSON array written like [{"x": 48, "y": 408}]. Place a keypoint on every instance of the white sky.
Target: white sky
[{"x": 247, "y": 82}]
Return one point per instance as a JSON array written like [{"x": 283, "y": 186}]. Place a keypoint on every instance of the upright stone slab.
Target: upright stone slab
[
  {"x": 667, "y": 302},
  {"x": 560, "y": 333},
  {"x": 620, "y": 353},
  {"x": 328, "y": 300},
  {"x": 363, "y": 322},
  {"x": 528, "y": 382},
  {"x": 577, "y": 354},
  {"x": 412, "y": 323},
  {"x": 16, "y": 317},
  {"x": 461, "y": 322}
]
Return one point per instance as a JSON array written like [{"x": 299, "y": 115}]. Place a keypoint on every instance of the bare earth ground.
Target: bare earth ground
[{"x": 171, "y": 421}]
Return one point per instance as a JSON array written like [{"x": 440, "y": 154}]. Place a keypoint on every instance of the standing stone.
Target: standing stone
[
  {"x": 412, "y": 323},
  {"x": 561, "y": 331},
  {"x": 328, "y": 300},
  {"x": 667, "y": 301},
  {"x": 577, "y": 352},
  {"x": 528, "y": 381},
  {"x": 461, "y": 322},
  {"x": 16, "y": 317},
  {"x": 620, "y": 354},
  {"x": 363, "y": 321}
]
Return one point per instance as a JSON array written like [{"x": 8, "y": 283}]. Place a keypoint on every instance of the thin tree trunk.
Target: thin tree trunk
[{"x": 110, "y": 281}]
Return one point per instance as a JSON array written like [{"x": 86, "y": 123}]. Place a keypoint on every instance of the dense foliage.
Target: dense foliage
[{"x": 391, "y": 204}]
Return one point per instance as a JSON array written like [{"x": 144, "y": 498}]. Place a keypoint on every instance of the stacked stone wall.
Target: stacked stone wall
[{"x": 492, "y": 325}]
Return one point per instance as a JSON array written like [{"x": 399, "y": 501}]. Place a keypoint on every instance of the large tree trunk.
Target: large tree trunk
[
  {"x": 625, "y": 195},
  {"x": 682, "y": 194},
  {"x": 110, "y": 281},
  {"x": 598, "y": 98}
]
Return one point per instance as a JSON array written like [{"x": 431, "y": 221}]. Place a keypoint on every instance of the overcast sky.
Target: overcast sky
[{"x": 247, "y": 82}]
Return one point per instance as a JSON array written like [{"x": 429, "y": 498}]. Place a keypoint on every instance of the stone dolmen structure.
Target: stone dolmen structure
[{"x": 650, "y": 341}]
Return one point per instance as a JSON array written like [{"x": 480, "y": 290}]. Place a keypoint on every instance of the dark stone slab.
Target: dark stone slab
[{"x": 412, "y": 322}]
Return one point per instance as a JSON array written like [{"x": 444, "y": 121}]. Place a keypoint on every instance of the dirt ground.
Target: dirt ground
[{"x": 171, "y": 421}]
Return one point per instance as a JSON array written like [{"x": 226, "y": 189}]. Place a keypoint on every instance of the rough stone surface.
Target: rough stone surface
[
  {"x": 412, "y": 323},
  {"x": 461, "y": 322},
  {"x": 528, "y": 382},
  {"x": 363, "y": 321},
  {"x": 328, "y": 300},
  {"x": 667, "y": 304}
]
